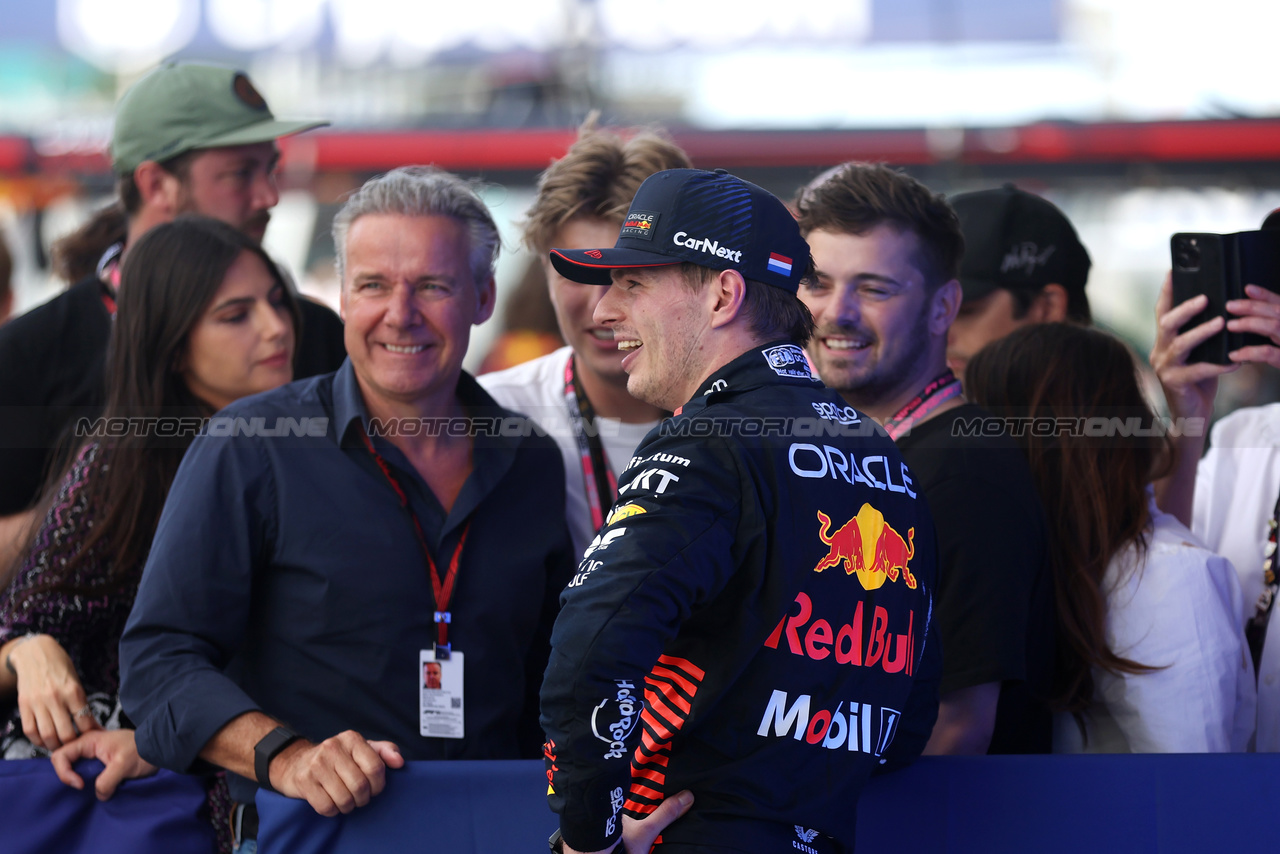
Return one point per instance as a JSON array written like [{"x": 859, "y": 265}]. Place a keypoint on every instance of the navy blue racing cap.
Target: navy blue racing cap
[{"x": 713, "y": 219}]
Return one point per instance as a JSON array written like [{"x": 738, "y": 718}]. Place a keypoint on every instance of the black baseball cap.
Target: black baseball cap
[
  {"x": 713, "y": 219},
  {"x": 1019, "y": 241}
]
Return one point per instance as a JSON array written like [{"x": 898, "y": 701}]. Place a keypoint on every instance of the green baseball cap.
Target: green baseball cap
[{"x": 182, "y": 106}]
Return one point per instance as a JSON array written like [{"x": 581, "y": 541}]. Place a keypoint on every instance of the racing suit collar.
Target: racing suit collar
[{"x": 779, "y": 361}]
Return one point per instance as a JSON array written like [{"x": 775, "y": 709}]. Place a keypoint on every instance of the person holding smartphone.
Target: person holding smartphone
[{"x": 1230, "y": 498}]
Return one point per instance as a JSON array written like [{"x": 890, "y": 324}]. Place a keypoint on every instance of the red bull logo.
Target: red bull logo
[
  {"x": 869, "y": 548},
  {"x": 848, "y": 642}
]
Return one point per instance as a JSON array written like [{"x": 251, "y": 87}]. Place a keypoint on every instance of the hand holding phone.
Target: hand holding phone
[
  {"x": 1189, "y": 386},
  {"x": 1221, "y": 268},
  {"x": 1258, "y": 318}
]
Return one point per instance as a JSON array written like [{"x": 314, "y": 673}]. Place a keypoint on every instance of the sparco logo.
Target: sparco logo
[
  {"x": 713, "y": 247},
  {"x": 615, "y": 718}
]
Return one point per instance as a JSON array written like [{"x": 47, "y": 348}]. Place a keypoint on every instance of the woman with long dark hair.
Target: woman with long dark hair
[
  {"x": 1150, "y": 654},
  {"x": 204, "y": 318}
]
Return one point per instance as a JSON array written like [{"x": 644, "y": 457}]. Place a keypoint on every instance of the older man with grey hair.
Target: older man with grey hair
[{"x": 326, "y": 540}]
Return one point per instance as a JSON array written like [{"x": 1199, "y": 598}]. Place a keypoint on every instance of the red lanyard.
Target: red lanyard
[
  {"x": 441, "y": 589},
  {"x": 939, "y": 390},
  {"x": 596, "y": 474}
]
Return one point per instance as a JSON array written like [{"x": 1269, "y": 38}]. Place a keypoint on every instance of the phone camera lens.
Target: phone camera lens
[{"x": 1186, "y": 255}]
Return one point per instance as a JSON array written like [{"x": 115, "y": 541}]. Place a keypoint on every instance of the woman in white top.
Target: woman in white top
[
  {"x": 1230, "y": 496},
  {"x": 1151, "y": 656}
]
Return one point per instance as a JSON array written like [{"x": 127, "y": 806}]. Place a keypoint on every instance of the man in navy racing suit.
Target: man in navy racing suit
[{"x": 753, "y": 623}]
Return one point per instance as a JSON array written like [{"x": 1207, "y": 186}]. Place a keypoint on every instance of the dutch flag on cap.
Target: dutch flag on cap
[{"x": 780, "y": 264}]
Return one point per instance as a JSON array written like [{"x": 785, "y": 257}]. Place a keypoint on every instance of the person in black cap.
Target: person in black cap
[
  {"x": 758, "y": 605},
  {"x": 1023, "y": 263},
  {"x": 187, "y": 138}
]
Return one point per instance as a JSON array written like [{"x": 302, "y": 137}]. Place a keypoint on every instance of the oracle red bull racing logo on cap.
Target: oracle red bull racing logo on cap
[
  {"x": 640, "y": 224},
  {"x": 869, "y": 548}
]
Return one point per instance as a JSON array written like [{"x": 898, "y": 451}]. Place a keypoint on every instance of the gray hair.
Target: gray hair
[{"x": 422, "y": 191}]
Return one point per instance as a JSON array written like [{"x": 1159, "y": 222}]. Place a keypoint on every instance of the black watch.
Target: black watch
[{"x": 267, "y": 749}]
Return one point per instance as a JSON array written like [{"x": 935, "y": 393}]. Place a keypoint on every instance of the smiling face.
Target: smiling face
[
  {"x": 575, "y": 304},
  {"x": 869, "y": 303},
  {"x": 243, "y": 343},
  {"x": 661, "y": 326},
  {"x": 409, "y": 301},
  {"x": 236, "y": 184}
]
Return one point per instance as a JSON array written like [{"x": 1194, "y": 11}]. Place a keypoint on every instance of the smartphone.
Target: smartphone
[{"x": 1219, "y": 266}]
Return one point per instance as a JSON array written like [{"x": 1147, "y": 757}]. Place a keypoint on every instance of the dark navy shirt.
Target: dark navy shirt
[{"x": 285, "y": 577}]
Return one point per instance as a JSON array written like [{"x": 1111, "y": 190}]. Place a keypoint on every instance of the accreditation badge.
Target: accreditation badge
[{"x": 440, "y": 695}]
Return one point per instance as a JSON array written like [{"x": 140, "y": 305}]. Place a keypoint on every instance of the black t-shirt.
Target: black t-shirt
[
  {"x": 995, "y": 603},
  {"x": 52, "y": 373},
  {"x": 320, "y": 347}
]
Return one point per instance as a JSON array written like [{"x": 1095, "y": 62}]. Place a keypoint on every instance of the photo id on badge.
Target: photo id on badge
[{"x": 440, "y": 695}]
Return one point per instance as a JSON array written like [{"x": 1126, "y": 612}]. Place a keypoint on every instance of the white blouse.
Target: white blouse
[
  {"x": 1236, "y": 488},
  {"x": 1178, "y": 609}
]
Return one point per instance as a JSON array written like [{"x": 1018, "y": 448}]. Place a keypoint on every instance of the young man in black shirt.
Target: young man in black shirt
[
  {"x": 187, "y": 138},
  {"x": 887, "y": 251}
]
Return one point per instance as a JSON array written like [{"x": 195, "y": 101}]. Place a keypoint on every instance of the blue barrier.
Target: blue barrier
[
  {"x": 1165, "y": 804},
  {"x": 40, "y": 815},
  {"x": 1151, "y": 804},
  {"x": 1051, "y": 804}
]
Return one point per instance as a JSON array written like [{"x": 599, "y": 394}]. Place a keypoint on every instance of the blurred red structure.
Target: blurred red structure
[{"x": 523, "y": 149}]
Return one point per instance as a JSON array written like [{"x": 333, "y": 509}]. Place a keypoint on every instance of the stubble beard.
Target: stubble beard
[
  {"x": 255, "y": 228},
  {"x": 879, "y": 380}
]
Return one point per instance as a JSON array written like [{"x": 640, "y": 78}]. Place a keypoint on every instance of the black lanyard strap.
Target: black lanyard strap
[{"x": 598, "y": 480}]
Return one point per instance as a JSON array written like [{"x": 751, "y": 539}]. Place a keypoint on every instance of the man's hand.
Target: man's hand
[
  {"x": 115, "y": 748},
  {"x": 51, "y": 700},
  {"x": 1260, "y": 314},
  {"x": 638, "y": 834},
  {"x": 338, "y": 774}
]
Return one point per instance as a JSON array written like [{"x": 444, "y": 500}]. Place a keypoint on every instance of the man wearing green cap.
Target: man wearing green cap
[
  {"x": 218, "y": 120},
  {"x": 188, "y": 138}
]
